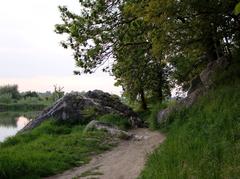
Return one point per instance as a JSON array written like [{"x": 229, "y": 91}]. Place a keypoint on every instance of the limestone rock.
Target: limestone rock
[
  {"x": 82, "y": 108},
  {"x": 111, "y": 129},
  {"x": 199, "y": 85},
  {"x": 207, "y": 75}
]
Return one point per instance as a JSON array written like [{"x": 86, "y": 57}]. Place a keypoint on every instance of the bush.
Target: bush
[
  {"x": 10, "y": 89},
  {"x": 6, "y": 98},
  {"x": 121, "y": 122},
  {"x": 155, "y": 109}
]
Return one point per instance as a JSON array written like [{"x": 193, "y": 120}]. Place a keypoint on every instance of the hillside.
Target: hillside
[{"x": 203, "y": 141}]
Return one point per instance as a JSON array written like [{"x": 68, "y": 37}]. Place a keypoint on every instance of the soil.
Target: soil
[{"x": 125, "y": 161}]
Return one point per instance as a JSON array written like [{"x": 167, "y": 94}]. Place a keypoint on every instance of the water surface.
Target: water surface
[{"x": 11, "y": 123}]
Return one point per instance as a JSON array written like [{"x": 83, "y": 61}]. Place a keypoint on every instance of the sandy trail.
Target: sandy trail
[{"x": 123, "y": 162}]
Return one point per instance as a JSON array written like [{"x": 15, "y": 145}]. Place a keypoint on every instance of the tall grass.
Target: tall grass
[
  {"x": 204, "y": 140},
  {"x": 119, "y": 121},
  {"x": 49, "y": 149},
  {"x": 154, "y": 110}
]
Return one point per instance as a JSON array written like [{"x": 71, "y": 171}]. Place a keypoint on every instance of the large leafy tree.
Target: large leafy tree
[
  {"x": 136, "y": 69},
  {"x": 189, "y": 33},
  {"x": 146, "y": 38},
  {"x": 91, "y": 34},
  {"x": 107, "y": 30}
]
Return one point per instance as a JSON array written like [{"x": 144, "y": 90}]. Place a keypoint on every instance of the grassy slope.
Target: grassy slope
[
  {"x": 49, "y": 149},
  {"x": 203, "y": 141}
]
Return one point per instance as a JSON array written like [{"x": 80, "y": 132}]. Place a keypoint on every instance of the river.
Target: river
[{"x": 12, "y": 122}]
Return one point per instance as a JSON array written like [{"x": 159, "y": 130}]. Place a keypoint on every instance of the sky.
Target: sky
[{"x": 30, "y": 51}]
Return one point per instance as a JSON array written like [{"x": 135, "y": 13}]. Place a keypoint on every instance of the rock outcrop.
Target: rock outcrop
[
  {"x": 82, "y": 108},
  {"x": 199, "y": 86},
  {"x": 111, "y": 129}
]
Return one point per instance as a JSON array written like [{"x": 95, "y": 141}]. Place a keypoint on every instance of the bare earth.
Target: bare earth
[{"x": 123, "y": 162}]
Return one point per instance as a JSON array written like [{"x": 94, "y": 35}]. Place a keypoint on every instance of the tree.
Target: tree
[
  {"x": 106, "y": 29},
  {"x": 152, "y": 43},
  {"x": 11, "y": 90},
  {"x": 91, "y": 34},
  {"x": 189, "y": 33},
  {"x": 30, "y": 94},
  {"x": 237, "y": 9},
  {"x": 57, "y": 93}
]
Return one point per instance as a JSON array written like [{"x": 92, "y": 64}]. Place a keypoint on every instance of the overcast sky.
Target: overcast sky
[{"x": 30, "y": 54}]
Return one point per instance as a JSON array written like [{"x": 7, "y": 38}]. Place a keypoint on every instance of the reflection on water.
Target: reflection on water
[
  {"x": 22, "y": 122},
  {"x": 11, "y": 123}
]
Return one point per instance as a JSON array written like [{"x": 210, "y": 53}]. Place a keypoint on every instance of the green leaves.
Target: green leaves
[
  {"x": 237, "y": 9},
  {"x": 150, "y": 41}
]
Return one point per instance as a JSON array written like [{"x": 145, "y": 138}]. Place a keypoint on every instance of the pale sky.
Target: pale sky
[{"x": 30, "y": 54}]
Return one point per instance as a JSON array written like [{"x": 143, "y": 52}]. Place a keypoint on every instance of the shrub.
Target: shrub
[
  {"x": 10, "y": 89},
  {"x": 122, "y": 122},
  {"x": 6, "y": 98}
]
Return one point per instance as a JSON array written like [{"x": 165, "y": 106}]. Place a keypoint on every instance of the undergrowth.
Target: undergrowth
[
  {"x": 119, "y": 121},
  {"x": 203, "y": 141},
  {"x": 49, "y": 149}
]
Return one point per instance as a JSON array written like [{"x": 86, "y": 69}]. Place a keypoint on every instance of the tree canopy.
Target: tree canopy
[{"x": 152, "y": 45}]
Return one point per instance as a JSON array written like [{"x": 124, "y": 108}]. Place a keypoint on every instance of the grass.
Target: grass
[
  {"x": 204, "y": 140},
  {"x": 119, "y": 121},
  {"x": 151, "y": 116},
  {"x": 91, "y": 172},
  {"x": 50, "y": 149}
]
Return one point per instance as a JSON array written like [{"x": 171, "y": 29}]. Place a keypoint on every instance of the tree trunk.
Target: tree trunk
[
  {"x": 211, "y": 49},
  {"x": 160, "y": 84},
  {"x": 143, "y": 100}
]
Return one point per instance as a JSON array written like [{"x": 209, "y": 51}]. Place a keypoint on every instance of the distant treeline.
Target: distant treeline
[
  {"x": 13, "y": 100},
  {"x": 21, "y": 107}
]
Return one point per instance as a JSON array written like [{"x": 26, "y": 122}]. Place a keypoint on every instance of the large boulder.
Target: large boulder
[
  {"x": 198, "y": 87},
  {"x": 207, "y": 76},
  {"x": 78, "y": 107},
  {"x": 111, "y": 129}
]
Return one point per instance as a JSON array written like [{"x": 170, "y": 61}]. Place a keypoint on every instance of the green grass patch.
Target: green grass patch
[
  {"x": 119, "y": 121},
  {"x": 204, "y": 140},
  {"x": 151, "y": 116},
  {"x": 50, "y": 149},
  {"x": 91, "y": 172}
]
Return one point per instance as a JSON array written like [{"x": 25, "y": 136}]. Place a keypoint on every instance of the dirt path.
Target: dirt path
[{"x": 123, "y": 162}]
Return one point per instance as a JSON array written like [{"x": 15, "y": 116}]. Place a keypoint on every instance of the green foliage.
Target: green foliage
[
  {"x": 203, "y": 141},
  {"x": 29, "y": 94},
  {"x": 49, "y": 149},
  {"x": 8, "y": 119},
  {"x": 90, "y": 113},
  {"x": 11, "y": 90},
  {"x": 153, "y": 45},
  {"x": 152, "y": 119},
  {"x": 22, "y": 107},
  {"x": 57, "y": 93},
  {"x": 121, "y": 122},
  {"x": 6, "y": 98},
  {"x": 12, "y": 100},
  {"x": 106, "y": 29},
  {"x": 237, "y": 9}
]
